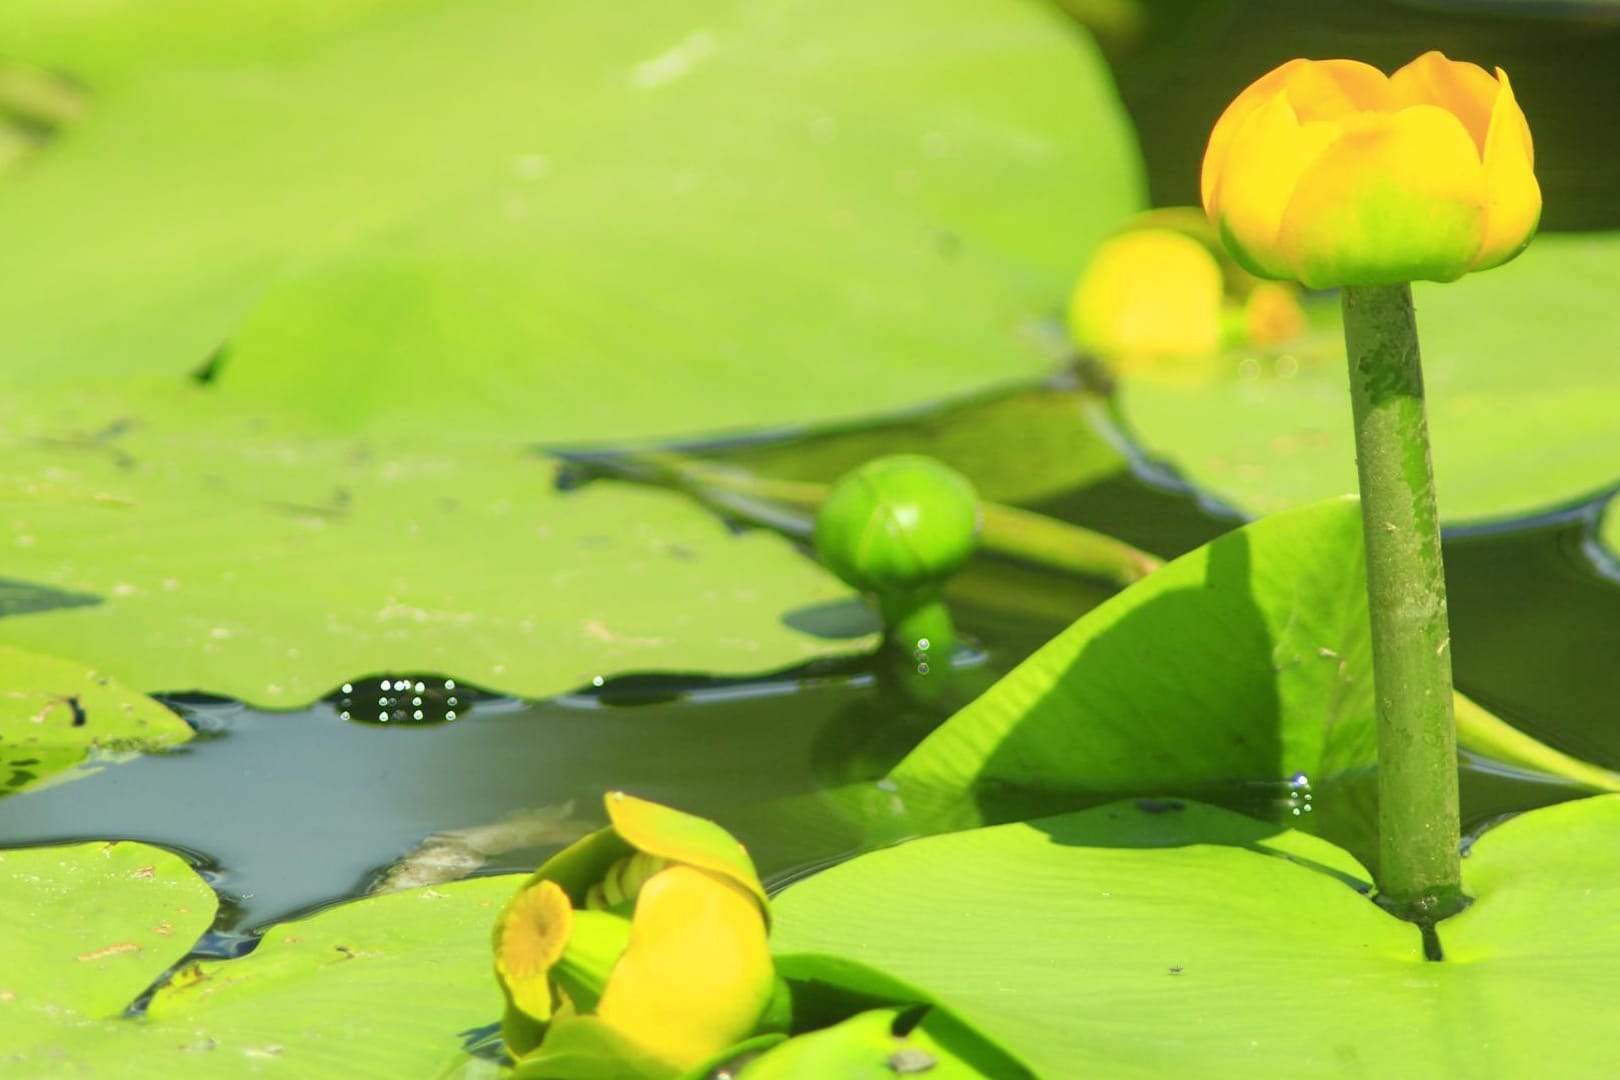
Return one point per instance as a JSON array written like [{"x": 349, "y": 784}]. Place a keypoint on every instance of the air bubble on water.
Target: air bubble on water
[{"x": 1299, "y": 795}]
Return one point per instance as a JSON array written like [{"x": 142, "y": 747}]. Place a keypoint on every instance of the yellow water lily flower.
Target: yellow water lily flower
[
  {"x": 1146, "y": 294},
  {"x": 643, "y": 944},
  {"x": 1331, "y": 173},
  {"x": 1161, "y": 290}
]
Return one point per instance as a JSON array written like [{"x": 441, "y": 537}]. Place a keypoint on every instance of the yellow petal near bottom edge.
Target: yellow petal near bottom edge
[{"x": 697, "y": 973}]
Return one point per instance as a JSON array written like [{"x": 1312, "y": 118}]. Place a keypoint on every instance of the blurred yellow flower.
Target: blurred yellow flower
[
  {"x": 1331, "y": 173},
  {"x": 643, "y": 945},
  {"x": 1161, "y": 290},
  {"x": 1148, "y": 293}
]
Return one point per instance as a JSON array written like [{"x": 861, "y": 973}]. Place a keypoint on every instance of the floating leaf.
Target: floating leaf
[
  {"x": 238, "y": 554},
  {"x": 565, "y": 222},
  {"x": 1172, "y": 939},
  {"x": 387, "y": 987},
  {"x": 88, "y": 928},
  {"x": 1520, "y": 374},
  {"x": 56, "y": 713},
  {"x": 1243, "y": 667}
]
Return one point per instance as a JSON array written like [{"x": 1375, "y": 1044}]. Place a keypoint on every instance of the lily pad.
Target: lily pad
[
  {"x": 90, "y": 927},
  {"x": 568, "y": 222},
  {"x": 1521, "y": 379},
  {"x": 237, "y": 553},
  {"x": 875, "y": 1045},
  {"x": 1243, "y": 668},
  {"x": 387, "y": 987},
  {"x": 56, "y": 713},
  {"x": 1181, "y": 940}
]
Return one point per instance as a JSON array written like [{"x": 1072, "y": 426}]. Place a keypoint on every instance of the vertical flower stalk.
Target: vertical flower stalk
[
  {"x": 1418, "y": 818},
  {"x": 1339, "y": 176}
]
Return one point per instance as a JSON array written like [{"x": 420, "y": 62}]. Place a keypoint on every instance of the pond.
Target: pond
[
  {"x": 289, "y": 811},
  {"x": 414, "y": 421}
]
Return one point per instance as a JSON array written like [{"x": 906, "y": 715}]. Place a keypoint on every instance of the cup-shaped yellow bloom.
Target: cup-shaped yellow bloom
[
  {"x": 643, "y": 943},
  {"x": 1331, "y": 173}
]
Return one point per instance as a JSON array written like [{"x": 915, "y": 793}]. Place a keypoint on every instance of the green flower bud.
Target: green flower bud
[{"x": 898, "y": 524}]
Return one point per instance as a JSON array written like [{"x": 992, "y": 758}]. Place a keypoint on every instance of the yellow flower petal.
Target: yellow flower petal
[
  {"x": 1255, "y": 95},
  {"x": 1512, "y": 196},
  {"x": 1315, "y": 90},
  {"x": 1465, "y": 90},
  {"x": 1331, "y": 89},
  {"x": 1395, "y": 198},
  {"x": 679, "y": 837},
  {"x": 1266, "y": 158},
  {"x": 530, "y": 937},
  {"x": 697, "y": 973},
  {"x": 1148, "y": 293}
]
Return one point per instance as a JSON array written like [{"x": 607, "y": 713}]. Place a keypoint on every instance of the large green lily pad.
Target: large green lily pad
[
  {"x": 239, "y": 554},
  {"x": 88, "y": 928},
  {"x": 57, "y": 713},
  {"x": 1243, "y": 668},
  {"x": 1521, "y": 378},
  {"x": 1172, "y": 939},
  {"x": 387, "y": 987},
  {"x": 567, "y": 222}
]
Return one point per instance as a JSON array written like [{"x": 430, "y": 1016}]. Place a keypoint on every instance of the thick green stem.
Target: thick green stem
[{"x": 1419, "y": 874}]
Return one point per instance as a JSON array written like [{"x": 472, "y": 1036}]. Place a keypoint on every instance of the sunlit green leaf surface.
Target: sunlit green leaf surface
[
  {"x": 388, "y": 987},
  {"x": 1170, "y": 939},
  {"x": 567, "y": 222},
  {"x": 88, "y": 927},
  {"x": 1244, "y": 666},
  {"x": 235, "y": 553}
]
